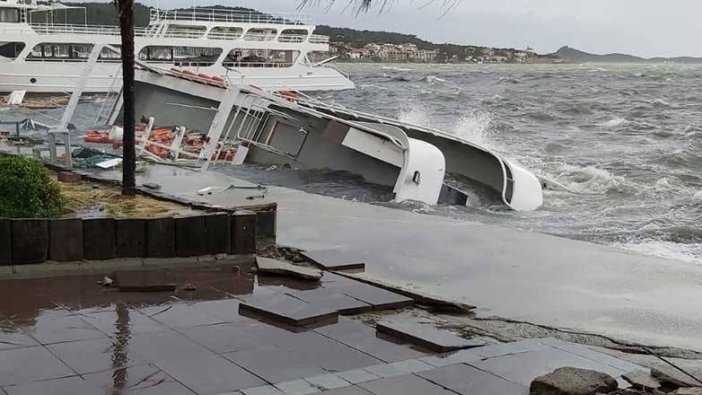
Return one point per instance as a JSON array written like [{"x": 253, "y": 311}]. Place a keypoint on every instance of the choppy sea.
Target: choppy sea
[{"x": 626, "y": 140}]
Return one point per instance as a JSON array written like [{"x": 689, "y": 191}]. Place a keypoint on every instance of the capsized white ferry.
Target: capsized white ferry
[{"x": 271, "y": 51}]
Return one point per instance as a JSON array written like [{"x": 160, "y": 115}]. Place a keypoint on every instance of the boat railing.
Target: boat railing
[
  {"x": 319, "y": 39},
  {"x": 83, "y": 29},
  {"x": 231, "y": 16}
]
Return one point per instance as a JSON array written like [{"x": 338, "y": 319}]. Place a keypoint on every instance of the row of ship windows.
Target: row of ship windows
[{"x": 178, "y": 55}]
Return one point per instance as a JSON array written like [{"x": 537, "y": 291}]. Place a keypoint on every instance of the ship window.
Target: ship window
[
  {"x": 11, "y": 50},
  {"x": 260, "y": 58},
  {"x": 318, "y": 56},
  {"x": 260, "y": 34},
  {"x": 60, "y": 52},
  {"x": 9, "y": 15},
  {"x": 181, "y": 56},
  {"x": 110, "y": 55},
  {"x": 225, "y": 33},
  {"x": 293, "y": 36},
  {"x": 185, "y": 31}
]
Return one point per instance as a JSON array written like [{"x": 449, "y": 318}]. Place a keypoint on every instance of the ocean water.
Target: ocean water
[{"x": 625, "y": 139}]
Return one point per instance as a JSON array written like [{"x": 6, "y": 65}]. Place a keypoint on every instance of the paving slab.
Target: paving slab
[
  {"x": 111, "y": 322},
  {"x": 347, "y": 391},
  {"x": 524, "y": 367},
  {"x": 59, "y": 327},
  {"x": 223, "y": 338},
  {"x": 356, "y": 376},
  {"x": 140, "y": 380},
  {"x": 180, "y": 315},
  {"x": 399, "y": 368},
  {"x": 404, "y": 385},
  {"x": 275, "y": 364},
  {"x": 262, "y": 390},
  {"x": 467, "y": 380},
  {"x": 335, "y": 260},
  {"x": 332, "y": 298},
  {"x": 144, "y": 281},
  {"x": 427, "y": 336},
  {"x": 363, "y": 338},
  {"x": 23, "y": 365},
  {"x": 379, "y": 298},
  {"x": 274, "y": 266},
  {"x": 90, "y": 356},
  {"x": 167, "y": 345},
  {"x": 327, "y": 382},
  {"x": 62, "y": 386},
  {"x": 209, "y": 374},
  {"x": 288, "y": 310},
  {"x": 297, "y": 387}
]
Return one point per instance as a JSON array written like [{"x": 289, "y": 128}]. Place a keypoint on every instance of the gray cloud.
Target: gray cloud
[{"x": 641, "y": 27}]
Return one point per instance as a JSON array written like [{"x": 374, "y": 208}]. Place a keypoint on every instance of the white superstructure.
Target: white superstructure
[{"x": 272, "y": 52}]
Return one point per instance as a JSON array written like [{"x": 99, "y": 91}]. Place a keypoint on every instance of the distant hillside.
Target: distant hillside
[
  {"x": 360, "y": 38},
  {"x": 572, "y": 55}
]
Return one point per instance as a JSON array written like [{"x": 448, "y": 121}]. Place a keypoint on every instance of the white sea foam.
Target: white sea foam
[
  {"x": 588, "y": 180},
  {"x": 697, "y": 195},
  {"x": 666, "y": 249},
  {"x": 613, "y": 123}
]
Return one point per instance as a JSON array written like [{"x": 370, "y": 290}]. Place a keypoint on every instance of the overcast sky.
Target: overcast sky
[{"x": 640, "y": 27}]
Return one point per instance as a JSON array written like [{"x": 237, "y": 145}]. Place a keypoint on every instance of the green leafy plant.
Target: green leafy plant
[{"x": 26, "y": 189}]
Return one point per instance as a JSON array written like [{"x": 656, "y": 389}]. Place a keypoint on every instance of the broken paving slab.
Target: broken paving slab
[
  {"x": 427, "y": 336},
  {"x": 274, "y": 266},
  {"x": 332, "y": 298},
  {"x": 288, "y": 310},
  {"x": 379, "y": 298},
  {"x": 143, "y": 281},
  {"x": 335, "y": 260}
]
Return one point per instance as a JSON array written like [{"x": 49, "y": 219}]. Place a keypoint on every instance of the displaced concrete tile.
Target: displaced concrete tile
[
  {"x": 427, "y": 336},
  {"x": 63, "y": 386},
  {"x": 223, "y": 338},
  {"x": 404, "y": 385},
  {"x": 399, "y": 368},
  {"x": 522, "y": 346},
  {"x": 180, "y": 315},
  {"x": 144, "y": 281},
  {"x": 262, "y": 390},
  {"x": 467, "y": 380},
  {"x": 329, "y": 354},
  {"x": 274, "y": 266},
  {"x": 297, "y": 387},
  {"x": 590, "y": 353},
  {"x": 275, "y": 364},
  {"x": 89, "y": 356},
  {"x": 327, "y": 382},
  {"x": 357, "y": 376},
  {"x": 362, "y": 337},
  {"x": 330, "y": 298},
  {"x": 288, "y": 310},
  {"x": 49, "y": 329},
  {"x": 524, "y": 367},
  {"x": 462, "y": 356},
  {"x": 209, "y": 374},
  {"x": 379, "y": 298},
  {"x": 23, "y": 365},
  {"x": 226, "y": 310},
  {"x": 335, "y": 260}
]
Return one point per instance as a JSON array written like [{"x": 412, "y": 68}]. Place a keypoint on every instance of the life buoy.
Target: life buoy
[
  {"x": 94, "y": 136},
  {"x": 289, "y": 95}
]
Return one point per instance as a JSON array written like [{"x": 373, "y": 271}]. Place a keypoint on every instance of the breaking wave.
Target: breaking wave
[{"x": 589, "y": 180}]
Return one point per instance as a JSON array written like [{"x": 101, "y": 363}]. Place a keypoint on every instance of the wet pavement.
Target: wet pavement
[
  {"x": 69, "y": 335},
  {"x": 509, "y": 273}
]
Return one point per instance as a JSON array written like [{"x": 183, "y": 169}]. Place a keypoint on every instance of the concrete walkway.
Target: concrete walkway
[{"x": 509, "y": 273}]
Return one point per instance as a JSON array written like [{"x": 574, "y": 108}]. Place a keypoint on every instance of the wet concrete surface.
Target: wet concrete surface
[
  {"x": 70, "y": 335},
  {"x": 514, "y": 274}
]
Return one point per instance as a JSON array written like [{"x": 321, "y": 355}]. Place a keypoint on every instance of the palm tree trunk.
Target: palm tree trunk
[{"x": 125, "y": 9}]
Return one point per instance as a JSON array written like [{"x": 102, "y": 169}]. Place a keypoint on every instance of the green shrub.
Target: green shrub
[{"x": 26, "y": 189}]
